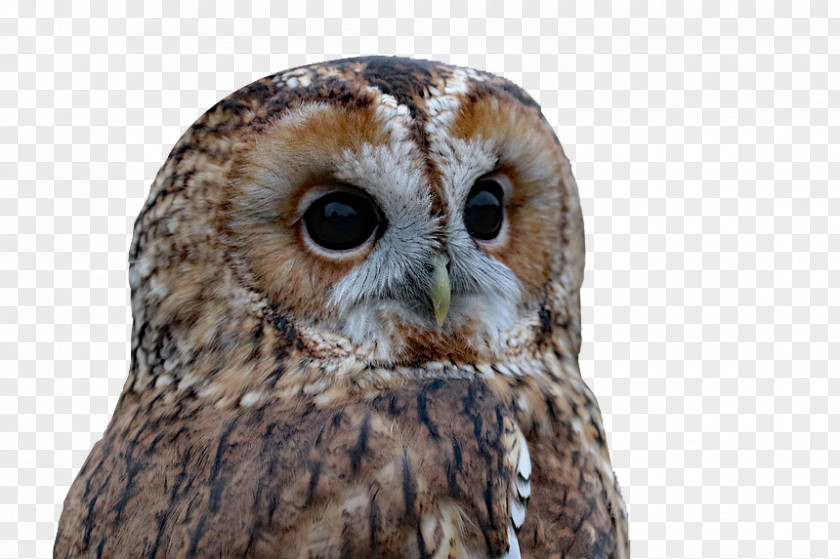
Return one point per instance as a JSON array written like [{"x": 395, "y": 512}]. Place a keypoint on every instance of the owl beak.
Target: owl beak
[{"x": 441, "y": 290}]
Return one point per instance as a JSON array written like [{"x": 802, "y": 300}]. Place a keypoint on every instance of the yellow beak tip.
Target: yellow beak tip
[
  {"x": 441, "y": 291},
  {"x": 440, "y": 316}
]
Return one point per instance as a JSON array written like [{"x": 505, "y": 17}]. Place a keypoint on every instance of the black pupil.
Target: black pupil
[
  {"x": 340, "y": 220},
  {"x": 483, "y": 211}
]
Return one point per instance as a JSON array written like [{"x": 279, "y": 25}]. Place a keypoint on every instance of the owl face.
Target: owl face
[
  {"x": 398, "y": 211},
  {"x": 412, "y": 235}
]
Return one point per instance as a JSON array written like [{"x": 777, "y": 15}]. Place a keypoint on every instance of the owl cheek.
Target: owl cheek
[
  {"x": 296, "y": 279},
  {"x": 530, "y": 241}
]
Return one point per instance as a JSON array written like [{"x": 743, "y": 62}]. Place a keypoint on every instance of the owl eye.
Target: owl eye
[
  {"x": 341, "y": 220},
  {"x": 483, "y": 211}
]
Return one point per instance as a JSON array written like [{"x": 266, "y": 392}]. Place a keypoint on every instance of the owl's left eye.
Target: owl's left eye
[
  {"x": 341, "y": 220},
  {"x": 483, "y": 213}
]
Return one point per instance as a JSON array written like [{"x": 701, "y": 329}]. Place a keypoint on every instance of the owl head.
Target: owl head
[{"x": 386, "y": 211}]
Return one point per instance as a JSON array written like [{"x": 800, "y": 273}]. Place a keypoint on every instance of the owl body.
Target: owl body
[{"x": 355, "y": 289}]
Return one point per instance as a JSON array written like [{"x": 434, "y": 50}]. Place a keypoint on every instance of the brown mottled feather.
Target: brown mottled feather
[
  {"x": 385, "y": 477},
  {"x": 254, "y": 424}
]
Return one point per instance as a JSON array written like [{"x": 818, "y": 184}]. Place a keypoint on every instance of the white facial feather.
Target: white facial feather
[
  {"x": 386, "y": 173},
  {"x": 390, "y": 282}
]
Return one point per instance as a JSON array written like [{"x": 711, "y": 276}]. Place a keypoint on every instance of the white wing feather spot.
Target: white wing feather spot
[
  {"x": 521, "y": 484},
  {"x": 523, "y": 487},
  {"x": 513, "y": 551},
  {"x": 517, "y": 513},
  {"x": 524, "y": 466},
  {"x": 520, "y": 491}
]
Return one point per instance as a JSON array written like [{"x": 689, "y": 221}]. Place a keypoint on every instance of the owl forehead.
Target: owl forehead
[{"x": 414, "y": 131}]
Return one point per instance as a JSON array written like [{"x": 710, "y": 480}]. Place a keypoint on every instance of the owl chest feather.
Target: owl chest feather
[{"x": 423, "y": 470}]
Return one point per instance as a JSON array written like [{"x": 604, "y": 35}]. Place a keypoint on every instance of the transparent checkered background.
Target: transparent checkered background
[{"x": 705, "y": 142}]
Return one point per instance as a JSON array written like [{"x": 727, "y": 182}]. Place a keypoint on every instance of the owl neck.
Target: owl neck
[{"x": 265, "y": 353}]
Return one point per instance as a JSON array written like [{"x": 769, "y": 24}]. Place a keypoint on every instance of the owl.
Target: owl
[{"x": 355, "y": 291}]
